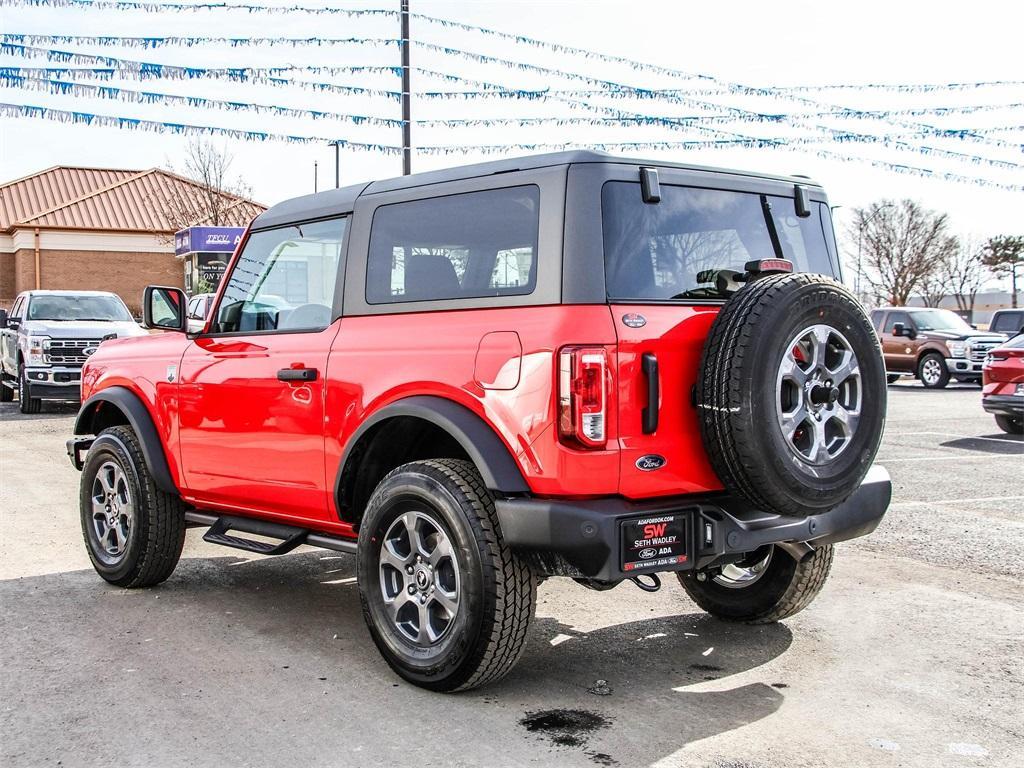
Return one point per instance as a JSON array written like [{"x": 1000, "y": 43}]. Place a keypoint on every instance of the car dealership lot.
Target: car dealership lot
[{"x": 912, "y": 655}]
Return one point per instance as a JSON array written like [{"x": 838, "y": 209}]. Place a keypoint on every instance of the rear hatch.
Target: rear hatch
[{"x": 669, "y": 265}]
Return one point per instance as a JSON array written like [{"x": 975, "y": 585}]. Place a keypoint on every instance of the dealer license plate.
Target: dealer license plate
[{"x": 658, "y": 541}]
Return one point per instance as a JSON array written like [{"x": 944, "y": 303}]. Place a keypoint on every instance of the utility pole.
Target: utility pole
[
  {"x": 316, "y": 186},
  {"x": 337, "y": 163},
  {"x": 406, "y": 106}
]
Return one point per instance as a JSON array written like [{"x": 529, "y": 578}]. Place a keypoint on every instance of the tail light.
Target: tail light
[{"x": 583, "y": 396}]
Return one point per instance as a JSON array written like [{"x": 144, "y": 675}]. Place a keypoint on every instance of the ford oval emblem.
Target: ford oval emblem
[
  {"x": 650, "y": 462},
  {"x": 647, "y": 554},
  {"x": 634, "y": 320},
  {"x": 89, "y": 351}
]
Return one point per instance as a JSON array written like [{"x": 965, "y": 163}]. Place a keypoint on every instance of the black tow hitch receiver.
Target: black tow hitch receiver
[{"x": 76, "y": 446}]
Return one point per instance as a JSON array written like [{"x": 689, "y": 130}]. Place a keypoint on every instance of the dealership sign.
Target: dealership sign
[{"x": 207, "y": 240}]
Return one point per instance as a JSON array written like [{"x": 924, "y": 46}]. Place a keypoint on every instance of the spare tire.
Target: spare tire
[{"x": 792, "y": 394}]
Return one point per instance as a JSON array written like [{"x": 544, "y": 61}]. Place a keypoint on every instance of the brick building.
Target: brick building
[{"x": 97, "y": 229}]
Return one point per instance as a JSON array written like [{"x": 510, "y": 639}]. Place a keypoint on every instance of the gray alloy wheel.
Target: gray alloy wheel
[
  {"x": 419, "y": 578},
  {"x": 741, "y": 575},
  {"x": 113, "y": 512},
  {"x": 819, "y": 394}
]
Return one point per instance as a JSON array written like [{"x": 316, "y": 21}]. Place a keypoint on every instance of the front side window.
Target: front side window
[
  {"x": 78, "y": 307},
  {"x": 1008, "y": 322},
  {"x": 463, "y": 246},
  {"x": 284, "y": 280},
  {"x": 675, "y": 249},
  {"x": 897, "y": 317}
]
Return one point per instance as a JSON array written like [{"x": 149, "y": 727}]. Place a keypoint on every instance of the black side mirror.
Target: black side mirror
[
  {"x": 898, "y": 329},
  {"x": 163, "y": 308},
  {"x": 14, "y": 323},
  {"x": 3, "y": 318}
]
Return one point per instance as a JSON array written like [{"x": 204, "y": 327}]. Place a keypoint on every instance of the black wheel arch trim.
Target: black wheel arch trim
[
  {"x": 135, "y": 410},
  {"x": 485, "y": 449}
]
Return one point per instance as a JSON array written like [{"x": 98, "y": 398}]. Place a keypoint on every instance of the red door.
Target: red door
[{"x": 252, "y": 422}]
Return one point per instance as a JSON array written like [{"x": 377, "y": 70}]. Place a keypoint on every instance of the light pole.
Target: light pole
[
  {"x": 860, "y": 237},
  {"x": 406, "y": 96},
  {"x": 337, "y": 162}
]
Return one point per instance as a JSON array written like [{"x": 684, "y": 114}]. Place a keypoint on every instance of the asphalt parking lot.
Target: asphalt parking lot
[{"x": 912, "y": 655}]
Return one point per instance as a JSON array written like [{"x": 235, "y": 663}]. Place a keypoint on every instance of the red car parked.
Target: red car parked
[
  {"x": 1003, "y": 385},
  {"x": 570, "y": 365}
]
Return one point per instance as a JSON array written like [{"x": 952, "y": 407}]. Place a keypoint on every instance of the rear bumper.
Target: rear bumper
[
  {"x": 1005, "y": 405},
  {"x": 582, "y": 538}
]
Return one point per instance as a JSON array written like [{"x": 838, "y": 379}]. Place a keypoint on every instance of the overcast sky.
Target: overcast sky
[{"x": 759, "y": 44}]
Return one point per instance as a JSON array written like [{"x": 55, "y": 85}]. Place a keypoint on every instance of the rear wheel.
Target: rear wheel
[
  {"x": 931, "y": 370},
  {"x": 447, "y": 602},
  {"x": 892, "y": 378},
  {"x": 26, "y": 404},
  {"x": 1010, "y": 424},
  {"x": 766, "y": 586},
  {"x": 6, "y": 392}
]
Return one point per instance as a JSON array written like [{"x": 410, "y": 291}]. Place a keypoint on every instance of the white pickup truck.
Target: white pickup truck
[{"x": 48, "y": 335}]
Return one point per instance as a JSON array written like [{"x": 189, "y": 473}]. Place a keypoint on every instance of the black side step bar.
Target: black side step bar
[{"x": 289, "y": 536}]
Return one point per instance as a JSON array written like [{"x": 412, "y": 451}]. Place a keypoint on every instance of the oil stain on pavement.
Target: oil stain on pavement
[{"x": 568, "y": 728}]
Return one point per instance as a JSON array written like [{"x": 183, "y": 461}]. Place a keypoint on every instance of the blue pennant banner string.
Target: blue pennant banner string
[
  {"x": 88, "y": 118},
  {"x": 160, "y": 7},
  {"x": 88, "y": 90},
  {"x": 189, "y": 42}
]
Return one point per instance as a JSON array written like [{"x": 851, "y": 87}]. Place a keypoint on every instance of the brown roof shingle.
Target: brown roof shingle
[{"x": 107, "y": 199}]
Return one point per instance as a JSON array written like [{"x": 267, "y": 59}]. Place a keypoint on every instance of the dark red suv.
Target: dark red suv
[{"x": 566, "y": 365}]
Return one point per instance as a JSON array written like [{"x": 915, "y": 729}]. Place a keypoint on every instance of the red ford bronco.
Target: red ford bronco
[{"x": 566, "y": 365}]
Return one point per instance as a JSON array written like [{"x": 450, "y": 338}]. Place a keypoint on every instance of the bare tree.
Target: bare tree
[
  {"x": 934, "y": 287},
  {"x": 966, "y": 273},
  {"x": 213, "y": 193},
  {"x": 1004, "y": 255},
  {"x": 904, "y": 244}
]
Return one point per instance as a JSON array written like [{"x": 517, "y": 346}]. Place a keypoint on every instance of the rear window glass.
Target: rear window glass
[
  {"x": 675, "y": 249},
  {"x": 456, "y": 247}
]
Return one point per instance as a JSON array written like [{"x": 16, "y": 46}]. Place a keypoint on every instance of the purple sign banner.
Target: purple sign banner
[{"x": 207, "y": 240}]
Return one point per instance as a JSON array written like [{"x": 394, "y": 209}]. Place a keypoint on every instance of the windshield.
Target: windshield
[
  {"x": 940, "y": 320},
  {"x": 682, "y": 247},
  {"x": 72, "y": 307}
]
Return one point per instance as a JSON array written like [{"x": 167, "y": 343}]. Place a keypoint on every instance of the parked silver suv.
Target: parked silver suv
[{"x": 47, "y": 337}]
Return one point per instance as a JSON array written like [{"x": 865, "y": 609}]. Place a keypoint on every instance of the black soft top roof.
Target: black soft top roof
[{"x": 335, "y": 201}]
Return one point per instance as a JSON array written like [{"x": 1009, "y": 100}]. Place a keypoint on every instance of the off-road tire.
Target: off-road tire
[
  {"x": 498, "y": 588},
  {"x": 737, "y": 393},
  {"x": 785, "y": 588},
  {"x": 157, "y": 534},
  {"x": 26, "y": 404},
  {"x": 943, "y": 378},
  {"x": 1009, "y": 424}
]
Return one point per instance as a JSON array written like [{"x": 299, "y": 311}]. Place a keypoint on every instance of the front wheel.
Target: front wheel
[
  {"x": 447, "y": 602},
  {"x": 1010, "y": 425},
  {"x": 766, "y": 586},
  {"x": 932, "y": 372},
  {"x": 26, "y": 404},
  {"x": 133, "y": 531}
]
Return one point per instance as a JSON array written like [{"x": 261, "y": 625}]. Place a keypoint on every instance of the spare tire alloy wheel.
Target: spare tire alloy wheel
[
  {"x": 792, "y": 393},
  {"x": 819, "y": 394}
]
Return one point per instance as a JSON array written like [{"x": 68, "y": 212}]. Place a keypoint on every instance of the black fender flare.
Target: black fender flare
[
  {"x": 134, "y": 409},
  {"x": 481, "y": 443}
]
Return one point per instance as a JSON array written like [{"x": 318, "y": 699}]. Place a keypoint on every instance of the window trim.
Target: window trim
[
  {"x": 547, "y": 289},
  {"x": 338, "y": 283},
  {"x": 458, "y": 299}
]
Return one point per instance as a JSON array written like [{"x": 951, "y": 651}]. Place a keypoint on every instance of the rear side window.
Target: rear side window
[
  {"x": 1008, "y": 322},
  {"x": 674, "y": 249},
  {"x": 463, "y": 246}
]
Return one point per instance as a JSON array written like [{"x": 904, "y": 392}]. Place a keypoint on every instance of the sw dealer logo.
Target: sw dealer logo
[{"x": 654, "y": 530}]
